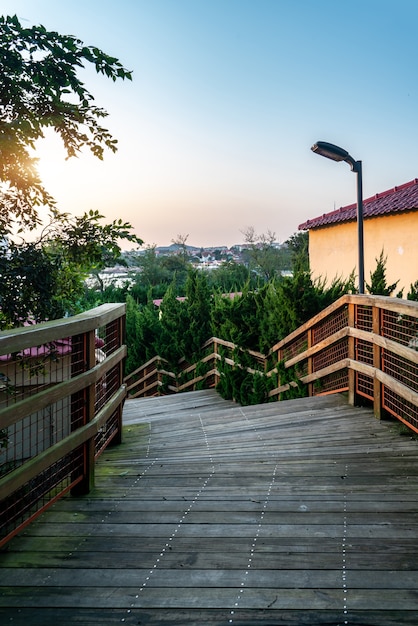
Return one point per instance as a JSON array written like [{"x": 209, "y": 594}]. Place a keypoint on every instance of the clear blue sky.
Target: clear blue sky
[{"x": 227, "y": 98}]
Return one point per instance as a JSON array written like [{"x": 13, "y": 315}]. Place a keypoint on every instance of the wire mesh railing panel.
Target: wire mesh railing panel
[
  {"x": 302, "y": 369},
  {"x": 364, "y": 318},
  {"x": 108, "y": 338},
  {"x": 330, "y": 325},
  {"x": 365, "y": 385},
  {"x": 400, "y": 328},
  {"x": 34, "y": 496},
  {"x": 106, "y": 387},
  {"x": 335, "y": 382},
  {"x": 400, "y": 368},
  {"x": 32, "y": 370},
  {"x": 35, "y": 433},
  {"x": 31, "y": 429},
  {"x": 364, "y": 351},
  {"x": 330, "y": 355},
  {"x": 106, "y": 433},
  {"x": 400, "y": 408},
  {"x": 296, "y": 347}
]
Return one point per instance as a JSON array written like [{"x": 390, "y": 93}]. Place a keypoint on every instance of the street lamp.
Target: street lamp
[{"x": 335, "y": 153}]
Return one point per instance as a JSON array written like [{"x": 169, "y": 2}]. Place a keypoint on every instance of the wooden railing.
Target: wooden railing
[
  {"x": 61, "y": 398},
  {"x": 153, "y": 378},
  {"x": 364, "y": 345},
  {"x": 62, "y": 392}
]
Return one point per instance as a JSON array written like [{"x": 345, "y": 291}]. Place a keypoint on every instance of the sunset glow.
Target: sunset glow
[{"x": 227, "y": 98}]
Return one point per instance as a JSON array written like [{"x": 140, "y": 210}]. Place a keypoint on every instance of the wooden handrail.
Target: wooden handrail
[
  {"x": 24, "y": 337},
  {"x": 319, "y": 364},
  {"x": 61, "y": 399}
]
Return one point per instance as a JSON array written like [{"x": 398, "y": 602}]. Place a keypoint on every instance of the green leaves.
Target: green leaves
[
  {"x": 40, "y": 88},
  {"x": 378, "y": 282},
  {"x": 44, "y": 279}
]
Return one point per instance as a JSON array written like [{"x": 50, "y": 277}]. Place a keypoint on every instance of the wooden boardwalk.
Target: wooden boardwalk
[{"x": 297, "y": 513}]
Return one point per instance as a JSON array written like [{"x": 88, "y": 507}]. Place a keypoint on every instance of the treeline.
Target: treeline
[
  {"x": 253, "y": 319},
  {"x": 234, "y": 303},
  {"x": 251, "y": 305}
]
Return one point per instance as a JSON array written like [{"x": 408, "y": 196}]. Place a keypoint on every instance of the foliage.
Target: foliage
[
  {"x": 230, "y": 276},
  {"x": 198, "y": 305},
  {"x": 413, "y": 291},
  {"x": 270, "y": 315},
  {"x": 298, "y": 245},
  {"x": 40, "y": 89},
  {"x": 29, "y": 277},
  {"x": 235, "y": 319},
  {"x": 378, "y": 283},
  {"x": 169, "y": 343},
  {"x": 263, "y": 256},
  {"x": 301, "y": 298},
  {"x": 152, "y": 271},
  {"x": 244, "y": 386},
  {"x": 44, "y": 279},
  {"x": 290, "y": 376}
]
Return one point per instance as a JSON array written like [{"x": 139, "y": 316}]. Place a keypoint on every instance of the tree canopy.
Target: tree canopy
[{"x": 39, "y": 89}]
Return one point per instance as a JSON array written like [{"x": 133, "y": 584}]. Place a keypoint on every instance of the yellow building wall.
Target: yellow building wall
[{"x": 333, "y": 250}]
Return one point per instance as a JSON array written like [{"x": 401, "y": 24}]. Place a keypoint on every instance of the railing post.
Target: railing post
[
  {"x": 215, "y": 351},
  {"x": 351, "y": 356},
  {"x": 377, "y": 385},
  {"x": 310, "y": 360},
  {"x": 279, "y": 358},
  {"x": 85, "y": 485}
]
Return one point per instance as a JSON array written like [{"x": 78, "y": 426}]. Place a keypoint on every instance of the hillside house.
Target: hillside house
[{"x": 390, "y": 223}]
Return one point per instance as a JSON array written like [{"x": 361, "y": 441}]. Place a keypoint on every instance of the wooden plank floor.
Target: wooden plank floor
[{"x": 294, "y": 513}]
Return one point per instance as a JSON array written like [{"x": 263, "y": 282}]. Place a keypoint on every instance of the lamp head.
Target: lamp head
[{"x": 330, "y": 151}]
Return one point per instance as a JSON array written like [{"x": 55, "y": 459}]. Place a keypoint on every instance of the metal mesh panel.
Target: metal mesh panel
[
  {"x": 106, "y": 433},
  {"x": 337, "y": 381},
  {"x": 400, "y": 328},
  {"x": 364, "y": 351},
  {"x": 400, "y": 408},
  {"x": 33, "y": 370},
  {"x": 330, "y": 325},
  {"x": 365, "y": 385},
  {"x": 78, "y": 409},
  {"x": 110, "y": 334},
  {"x": 106, "y": 387},
  {"x": 299, "y": 345},
  {"x": 334, "y": 353},
  {"x": 302, "y": 368},
  {"x": 403, "y": 370},
  {"x": 364, "y": 318},
  {"x": 33, "y": 434},
  {"x": 38, "y": 493}
]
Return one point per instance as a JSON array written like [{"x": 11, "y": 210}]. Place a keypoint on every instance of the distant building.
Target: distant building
[{"x": 390, "y": 223}]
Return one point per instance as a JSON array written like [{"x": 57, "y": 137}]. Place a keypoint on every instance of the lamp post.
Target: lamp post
[{"x": 330, "y": 151}]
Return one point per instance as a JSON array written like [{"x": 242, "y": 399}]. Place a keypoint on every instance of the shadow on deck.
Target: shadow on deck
[{"x": 294, "y": 513}]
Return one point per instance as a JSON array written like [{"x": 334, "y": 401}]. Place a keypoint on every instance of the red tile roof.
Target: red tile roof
[{"x": 396, "y": 200}]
